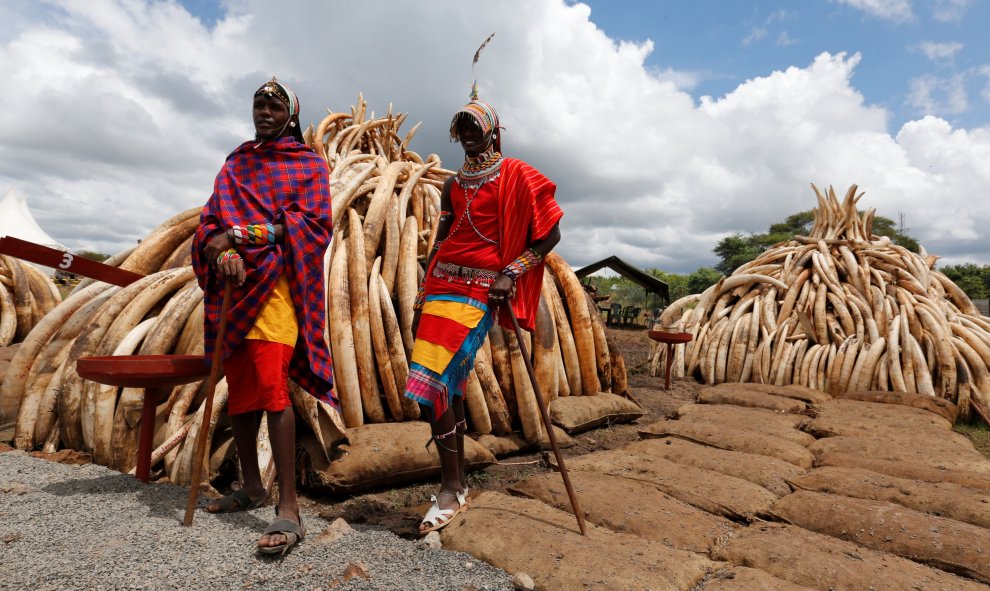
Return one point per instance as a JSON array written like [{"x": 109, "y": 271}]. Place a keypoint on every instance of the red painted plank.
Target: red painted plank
[{"x": 66, "y": 261}]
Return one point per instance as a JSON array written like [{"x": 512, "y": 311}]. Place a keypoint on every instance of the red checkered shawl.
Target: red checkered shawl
[{"x": 279, "y": 182}]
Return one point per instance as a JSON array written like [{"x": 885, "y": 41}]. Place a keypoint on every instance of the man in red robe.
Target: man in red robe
[
  {"x": 498, "y": 220},
  {"x": 266, "y": 228}
]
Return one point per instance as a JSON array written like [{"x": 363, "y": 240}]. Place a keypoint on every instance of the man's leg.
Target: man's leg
[
  {"x": 245, "y": 429},
  {"x": 458, "y": 407},
  {"x": 444, "y": 436},
  {"x": 282, "y": 429}
]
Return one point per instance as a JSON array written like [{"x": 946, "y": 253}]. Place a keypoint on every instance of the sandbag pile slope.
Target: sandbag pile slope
[
  {"x": 895, "y": 499},
  {"x": 838, "y": 310}
]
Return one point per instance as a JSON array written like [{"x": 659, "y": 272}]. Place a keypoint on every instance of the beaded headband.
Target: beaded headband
[
  {"x": 478, "y": 112},
  {"x": 282, "y": 92}
]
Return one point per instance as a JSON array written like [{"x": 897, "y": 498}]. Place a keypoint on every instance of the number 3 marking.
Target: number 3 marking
[{"x": 66, "y": 261}]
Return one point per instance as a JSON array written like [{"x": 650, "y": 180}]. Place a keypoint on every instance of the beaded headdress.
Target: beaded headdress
[
  {"x": 486, "y": 166},
  {"x": 282, "y": 92},
  {"x": 477, "y": 111}
]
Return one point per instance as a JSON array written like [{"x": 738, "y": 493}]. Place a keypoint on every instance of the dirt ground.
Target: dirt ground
[{"x": 400, "y": 509}]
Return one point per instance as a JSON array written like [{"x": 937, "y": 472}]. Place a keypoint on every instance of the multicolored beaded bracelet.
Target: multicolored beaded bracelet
[
  {"x": 253, "y": 234},
  {"x": 524, "y": 262},
  {"x": 228, "y": 255}
]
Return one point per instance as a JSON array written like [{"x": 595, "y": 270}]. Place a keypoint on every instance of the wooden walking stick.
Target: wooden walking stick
[
  {"x": 211, "y": 385},
  {"x": 546, "y": 421}
]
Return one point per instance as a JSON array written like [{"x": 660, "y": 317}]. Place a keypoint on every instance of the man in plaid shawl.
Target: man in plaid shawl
[{"x": 266, "y": 228}]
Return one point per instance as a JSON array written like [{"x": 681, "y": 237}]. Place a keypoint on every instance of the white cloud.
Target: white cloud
[
  {"x": 950, "y": 10},
  {"x": 755, "y": 35},
  {"x": 783, "y": 39},
  {"x": 125, "y": 110},
  {"x": 758, "y": 32},
  {"x": 985, "y": 72},
  {"x": 939, "y": 51},
  {"x": 932, "y": 95},
  {"x": 897, "y": 11}
]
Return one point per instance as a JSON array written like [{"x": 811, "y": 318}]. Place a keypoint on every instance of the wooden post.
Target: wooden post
[
  {"x": 546, "y": 421},
  {"x": 211, "y": 385}
]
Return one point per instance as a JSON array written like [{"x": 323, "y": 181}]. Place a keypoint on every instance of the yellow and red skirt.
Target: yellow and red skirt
[
  {"x": 258, "y": 370},
  {"x": 454, "y": 323}
]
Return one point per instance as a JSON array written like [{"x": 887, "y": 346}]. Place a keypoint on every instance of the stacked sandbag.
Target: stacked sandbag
[
  {"x": 838, "y": 310},
  {"x": 385, "y": 218}
]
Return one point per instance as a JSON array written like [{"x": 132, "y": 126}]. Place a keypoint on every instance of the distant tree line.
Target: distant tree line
[
  {"x": 972, "y": 278},
  {"x": 739, "y": 249}
]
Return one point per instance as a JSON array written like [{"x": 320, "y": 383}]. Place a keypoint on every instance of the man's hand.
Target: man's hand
[
  {"x": 232, "y": 270},
  {"x": 217, "y": 245},
  {"x": 501, "y": 290}
]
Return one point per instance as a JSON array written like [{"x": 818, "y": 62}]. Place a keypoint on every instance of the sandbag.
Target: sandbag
[
  {"x": 709, "y": 491},
  {"x": 947, "y": 544},
  {"x": 770, "y": 473},
  {"x": 778, "y": 424},
  {"x": 740, "y": 578},
  {"x": 937, "y": 498},
  {"x": 933, "y": 404},
  {"x": 750, "y": 398},
  {"x": 908, "y": 447},
  {"x": 525, "y": 535},
  {"x": 909, "y": 470},
  {"x": 630, "y": 507},
  {"x": 515, "y": 443},
  {"x": 733, "y": 439},
  {"x": 829, "y": 564},
  {"x": 867, "y": 419},
  {"x": 384, "y": 454},
  {"x": 795, "y": 391},
  {"x": 577, "y": 414}
]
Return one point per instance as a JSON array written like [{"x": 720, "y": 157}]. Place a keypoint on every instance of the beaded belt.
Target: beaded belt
[{"x": 452, "y": 272}]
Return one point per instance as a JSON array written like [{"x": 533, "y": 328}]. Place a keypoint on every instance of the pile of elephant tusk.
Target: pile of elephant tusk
[
  {"x": 838, "y": 310},
  {"x": 385, "y": 217},
  {"x": 26, "y": 295}
]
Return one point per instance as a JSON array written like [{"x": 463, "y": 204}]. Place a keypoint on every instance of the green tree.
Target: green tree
[
  {"x": 885, "y": 227},
  {"x": 92, "y": 255},
  {"x": 738, "y": 249},
  {"x": 702, "y": 279},
  {"x": 971, "y": 278},
  {"x": 676, "y": 284}
]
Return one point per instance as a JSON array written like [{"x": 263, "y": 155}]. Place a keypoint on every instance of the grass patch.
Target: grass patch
[{"x": 978, "y": 433}]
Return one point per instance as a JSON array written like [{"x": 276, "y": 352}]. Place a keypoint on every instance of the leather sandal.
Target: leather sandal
[
  {"x": 293, "y": 532},
  {"x": 236, "y": 501},
  {"x": 437, "y": 518}
]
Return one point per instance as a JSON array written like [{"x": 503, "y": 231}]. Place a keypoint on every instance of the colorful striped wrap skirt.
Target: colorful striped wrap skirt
[{"x": 451, "y": 330}]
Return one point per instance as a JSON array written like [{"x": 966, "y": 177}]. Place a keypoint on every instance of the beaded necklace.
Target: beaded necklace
[{"x": 475, "y": 172}]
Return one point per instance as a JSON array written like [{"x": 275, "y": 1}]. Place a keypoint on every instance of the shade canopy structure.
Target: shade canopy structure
[
  {"x": 16, "y": 220},
  {"x": 648, "y": 282}
]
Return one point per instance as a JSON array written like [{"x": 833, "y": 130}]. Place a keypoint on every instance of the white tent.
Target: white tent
[{"x": 16, "y": 220}]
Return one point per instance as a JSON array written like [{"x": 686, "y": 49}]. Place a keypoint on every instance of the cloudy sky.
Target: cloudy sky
[{"x": 666, "y": 125}]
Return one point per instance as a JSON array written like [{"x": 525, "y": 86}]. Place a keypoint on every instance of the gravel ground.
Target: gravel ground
[{"x": 87, "y": 527}]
